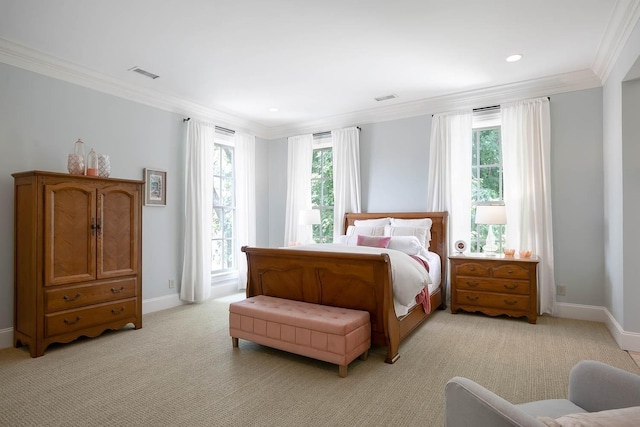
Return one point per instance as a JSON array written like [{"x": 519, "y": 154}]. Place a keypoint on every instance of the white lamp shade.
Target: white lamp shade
[
  {"x": 491, "y": 214},
  {"x": 309, "y": 217}
]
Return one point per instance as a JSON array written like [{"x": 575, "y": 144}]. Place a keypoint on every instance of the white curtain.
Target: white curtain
[
  {"x": 245, "y": 167},
  {"x": 346, "y": 175},
  {"x": 298, "y": 188},
  {"x": 526, "y": 153},
  {"x": 196, "y": 267},
  {"x": 449, "y": 185}
]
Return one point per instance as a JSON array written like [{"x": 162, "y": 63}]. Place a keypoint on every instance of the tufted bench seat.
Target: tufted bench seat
[{"x": 331, "y": 334}]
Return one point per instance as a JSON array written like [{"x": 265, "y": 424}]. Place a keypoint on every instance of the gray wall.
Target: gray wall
[
  {"x": 577, "y": 195},
  {"x": 394, "y": 159},
  {"x": 631, "y": 206},
  {"x": 41, "y": 118}
]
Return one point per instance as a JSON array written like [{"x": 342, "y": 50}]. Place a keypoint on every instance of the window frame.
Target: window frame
[
  {"x": 225, "y": 139},
  {"x": 484, "y": 120},
  {"x": 322, "y": 141}
]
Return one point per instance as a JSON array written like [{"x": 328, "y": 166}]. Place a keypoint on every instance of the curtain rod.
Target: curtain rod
[
  {"x": 218, "y": 128},
  {"x": 492, "y": 107},
  {"x": 327, "y": 133}
]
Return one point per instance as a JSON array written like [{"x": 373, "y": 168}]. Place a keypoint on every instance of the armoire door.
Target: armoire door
[
  {"x": 117, "y": 238},
  {"x": 69, "y": 233}
]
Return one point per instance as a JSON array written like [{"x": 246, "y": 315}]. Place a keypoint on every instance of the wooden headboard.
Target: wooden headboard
[{"x": 439, "y": 239}]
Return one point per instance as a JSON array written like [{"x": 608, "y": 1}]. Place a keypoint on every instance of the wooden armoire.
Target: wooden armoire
[{"x": 78, "y": 257}]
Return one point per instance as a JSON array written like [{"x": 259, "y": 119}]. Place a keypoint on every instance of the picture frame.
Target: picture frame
[{"x": 155, "y": 187}]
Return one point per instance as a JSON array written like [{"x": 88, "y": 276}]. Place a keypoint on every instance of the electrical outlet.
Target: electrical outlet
[
  {"x": 172, "y": 283},
  {"x": 561, "y": 290}
]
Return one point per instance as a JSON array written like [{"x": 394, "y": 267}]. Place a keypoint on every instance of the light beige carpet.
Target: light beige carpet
[{"x": 181, "y": 370}]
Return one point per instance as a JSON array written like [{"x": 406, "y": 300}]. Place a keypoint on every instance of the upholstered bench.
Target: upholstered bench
[{"x": 331, "y": 334}]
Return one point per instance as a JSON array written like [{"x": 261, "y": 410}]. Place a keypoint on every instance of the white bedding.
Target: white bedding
[{"x": 409, "y": 278}]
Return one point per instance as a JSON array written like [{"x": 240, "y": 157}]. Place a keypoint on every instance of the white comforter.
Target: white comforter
[{"x": 408, "y": 276}]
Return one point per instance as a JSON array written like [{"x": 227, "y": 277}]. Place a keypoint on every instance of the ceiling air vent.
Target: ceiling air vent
[
  {"x": 144, "y": 72},
  {"x": 386, "y": 97}
]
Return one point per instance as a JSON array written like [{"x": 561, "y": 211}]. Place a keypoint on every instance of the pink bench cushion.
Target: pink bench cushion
[{"x": 332, "y": 334}]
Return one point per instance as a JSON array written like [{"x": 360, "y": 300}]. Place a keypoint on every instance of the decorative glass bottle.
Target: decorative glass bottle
[
  {"x": 75, "y": 162},
  {"x": 92, "y": 163},
  {"x": 104, "y": 165}
]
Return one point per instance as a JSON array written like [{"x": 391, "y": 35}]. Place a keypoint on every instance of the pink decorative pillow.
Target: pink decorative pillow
[{"x": 373, "y": 241}]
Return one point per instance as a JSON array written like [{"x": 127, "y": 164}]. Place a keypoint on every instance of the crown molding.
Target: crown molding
[
  {"x": 623, "y": 20},
  {"x": 547, "y": 86},
  {"x": 38, "y": 62},
  {"x": 32, "y": 60}
]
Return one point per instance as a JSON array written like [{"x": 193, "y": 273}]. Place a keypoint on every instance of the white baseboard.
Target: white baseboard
[
  {"x": 6, "y": 338},
  {"x": 626, "y": 340},
  {"x": 161, "y": 303}
]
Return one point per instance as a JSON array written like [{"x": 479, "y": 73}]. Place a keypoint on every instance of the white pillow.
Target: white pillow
[
  {"x": 422, "y": 233},
  {"x": 422, "y": 222},
  {"x": 408, "y": 244},
  {"x": 378, "y": 222}
]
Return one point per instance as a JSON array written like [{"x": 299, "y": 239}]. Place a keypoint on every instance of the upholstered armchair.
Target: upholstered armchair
[{"x": 597, "y": 393}]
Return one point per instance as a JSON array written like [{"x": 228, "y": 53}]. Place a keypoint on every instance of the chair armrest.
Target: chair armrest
[
  {"x": 596, "y": 386},
  {"x": 467, "y": 403}
]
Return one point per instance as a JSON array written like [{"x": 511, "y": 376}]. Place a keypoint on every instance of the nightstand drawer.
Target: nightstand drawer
[
  {"x": 493, "y": 285},
  {"x": 510, "y": 271},
  {"x": 471, "y": 269},
  {"x": 502, "y": 301}
]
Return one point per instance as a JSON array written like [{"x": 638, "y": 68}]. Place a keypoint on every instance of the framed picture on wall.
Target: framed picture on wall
[{"x": 155, "y": 187}]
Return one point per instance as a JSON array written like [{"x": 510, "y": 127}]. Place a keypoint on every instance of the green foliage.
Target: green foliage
[
  {"x": 322, "y": 193},
  {"x": 486, "y": 181}
]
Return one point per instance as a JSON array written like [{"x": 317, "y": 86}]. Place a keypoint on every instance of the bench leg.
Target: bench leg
[
  {"x": 342, "y": 370},
  {"x": 234, "y": 342},
  {"x": 364, "y": 355}
]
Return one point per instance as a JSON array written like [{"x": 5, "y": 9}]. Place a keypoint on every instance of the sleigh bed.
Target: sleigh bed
[{"x": 361, "y": 281}]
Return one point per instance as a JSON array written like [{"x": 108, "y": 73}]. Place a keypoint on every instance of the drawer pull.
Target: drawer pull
[
  {"x": 472, "y": 284},
  {"x": 72, "y": 322},
  {"x": 472, "y": 269},
  {"x": 67, "y": 299},
  {"x": 511, "y": 286},
  {"x": 472, "y": 298},
  {"x": 510, "y": 302},
  {"x": 114, "y": 311},
  {"x": 117, "y": 291}
]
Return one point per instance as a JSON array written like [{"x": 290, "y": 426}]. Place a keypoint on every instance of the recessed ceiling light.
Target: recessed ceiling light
[
  {"x": 273, "y": 109},
  {"x": 514, "y": 58}
]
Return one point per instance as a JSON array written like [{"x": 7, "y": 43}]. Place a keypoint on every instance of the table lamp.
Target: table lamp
[{"x": 491, "y": 215}]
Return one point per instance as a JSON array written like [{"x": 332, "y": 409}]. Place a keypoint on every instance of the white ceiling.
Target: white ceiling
[{"x": 319, "y": 62}]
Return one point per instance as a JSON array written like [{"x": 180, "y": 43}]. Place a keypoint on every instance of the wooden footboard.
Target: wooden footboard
[
  {"x": 349, "y": 280},
  {"x": 356, "y": 281}
]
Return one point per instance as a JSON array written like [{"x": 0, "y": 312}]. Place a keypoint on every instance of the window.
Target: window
[
  {"x": 223, "y": 240},
  {"x": 322, "y": 188},
  {"x": 486, "y": 174}
]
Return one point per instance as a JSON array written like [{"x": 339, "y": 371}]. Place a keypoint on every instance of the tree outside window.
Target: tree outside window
[
  {"x": 322, "y": 193},
  {"x": 486, "y": 182}
]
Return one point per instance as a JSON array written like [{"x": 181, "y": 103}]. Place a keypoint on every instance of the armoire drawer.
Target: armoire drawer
[
  {"x": 75, "y": 320},
  {"x": 83, "y": 295}
]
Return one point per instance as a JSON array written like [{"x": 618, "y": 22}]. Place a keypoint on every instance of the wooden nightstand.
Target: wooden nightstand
[{"x": 495, "y": 285}]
